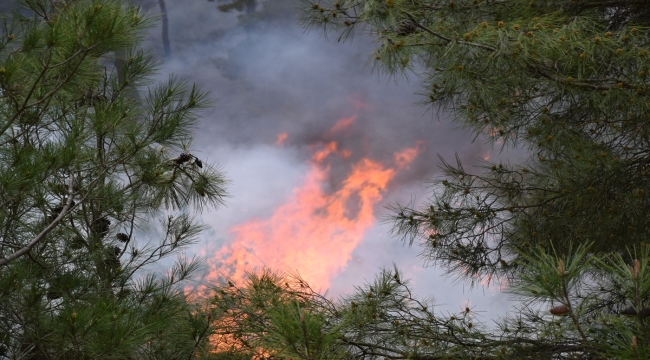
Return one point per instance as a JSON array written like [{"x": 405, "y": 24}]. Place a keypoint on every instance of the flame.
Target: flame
[
  {"x": 281, "y": 138},
  {"x": 321, "y": 154},
  {"x": 342, "y": 124},
  {"x": 325, "y": 150},
  {"x": 314, "y": 232},
  {"x": 406, "y": 156}
]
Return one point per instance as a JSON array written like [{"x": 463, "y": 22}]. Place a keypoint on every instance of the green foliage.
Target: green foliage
[
  {"x": 566, "y": 80},
  {"x": 298, "y": 332},
  {"x": 276, "y": 315},
  {"x": 576, "y": 306},
  {"x": 89, "y": 159}
]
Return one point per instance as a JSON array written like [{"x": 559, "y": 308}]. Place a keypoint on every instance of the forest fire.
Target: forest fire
[{"x": 314, "y": 232}]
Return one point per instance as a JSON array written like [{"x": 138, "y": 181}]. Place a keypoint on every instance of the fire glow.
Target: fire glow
[
  {"x": 282, "y": 137},
  {"x": 314, "y": 232}
]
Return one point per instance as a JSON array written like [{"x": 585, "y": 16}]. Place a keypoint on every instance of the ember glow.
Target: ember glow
[{"x": 314, "y": 232}]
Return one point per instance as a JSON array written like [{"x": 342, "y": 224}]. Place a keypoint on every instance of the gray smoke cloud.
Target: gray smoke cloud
[{"x": 270, "y": 77}]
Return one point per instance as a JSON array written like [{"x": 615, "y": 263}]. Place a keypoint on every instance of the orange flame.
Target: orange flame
[
  {"x": 329, "y": 148},
  {"x": 281, "y": 138},
  {"x": 342, "y": 124},
  {"x": 314, "y": 232},
  {"x": 406, "y": 156}
]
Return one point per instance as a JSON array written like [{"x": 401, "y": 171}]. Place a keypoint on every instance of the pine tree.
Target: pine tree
[
  {"x": 579, "y": 306},
  {"x": 565, "y": 80},
  {"x": 273, "y": 315},
  {"x": 97, "y": 183}
]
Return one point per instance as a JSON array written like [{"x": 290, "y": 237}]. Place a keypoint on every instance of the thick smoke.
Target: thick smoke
[{"x": 280, "y": 93}]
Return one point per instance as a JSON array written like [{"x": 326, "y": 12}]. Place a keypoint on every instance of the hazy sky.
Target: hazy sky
[{"x": 316, "y": 144}]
